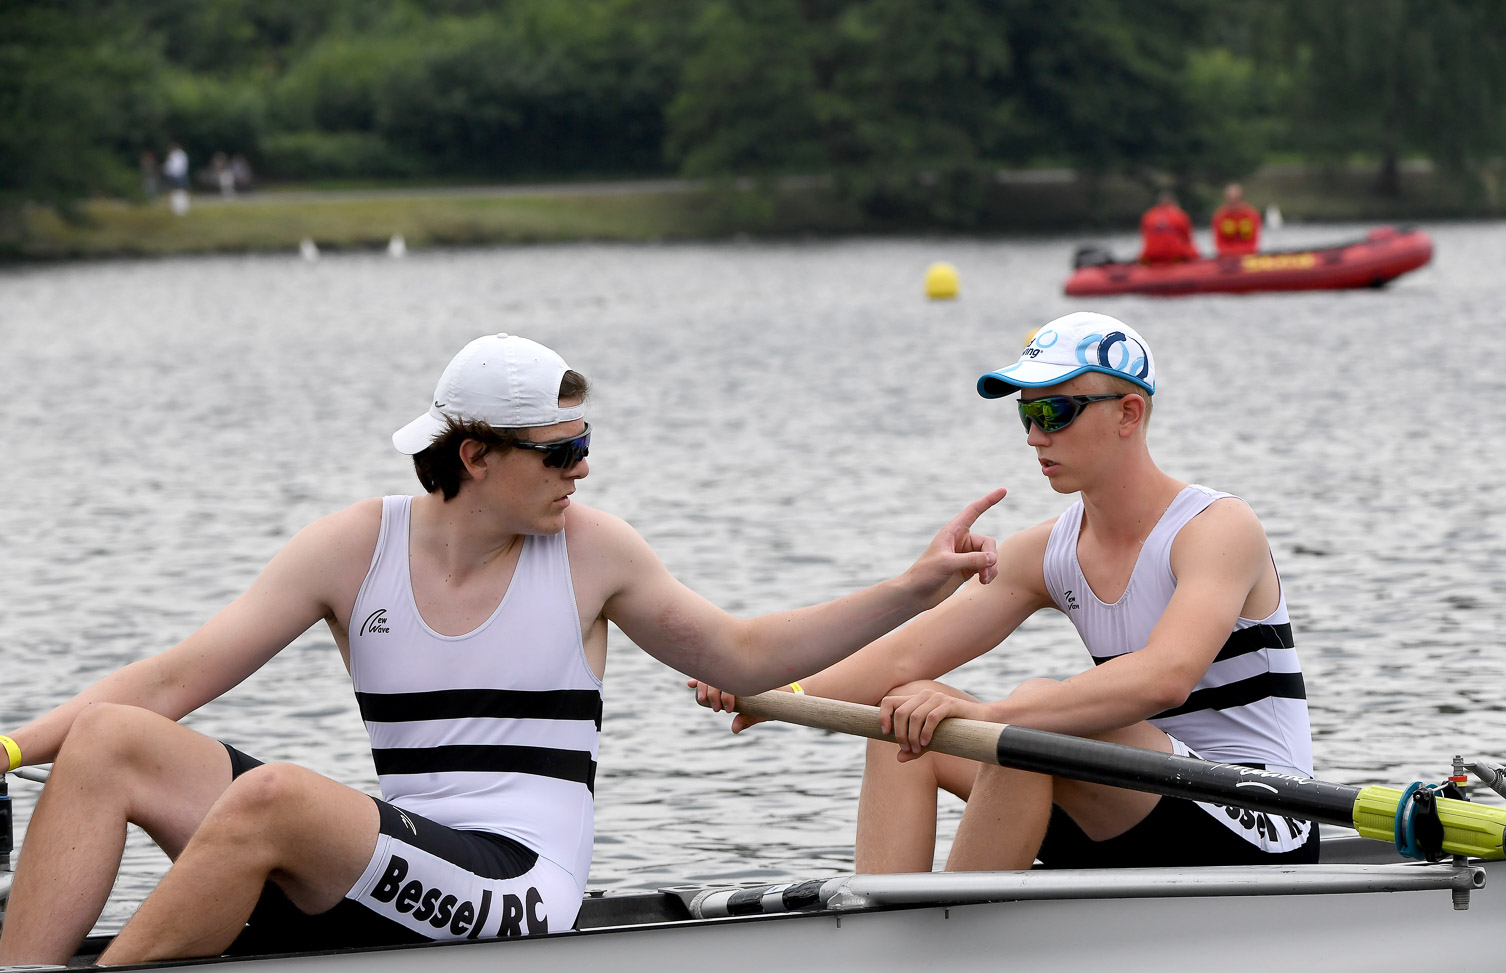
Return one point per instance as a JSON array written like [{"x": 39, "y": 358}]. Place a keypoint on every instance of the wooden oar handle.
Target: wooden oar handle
[{"x": 972, "y": 739}]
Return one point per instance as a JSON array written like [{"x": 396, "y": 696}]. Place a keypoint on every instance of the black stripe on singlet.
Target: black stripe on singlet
[
  {"x": 1243, "y": 642},
  {"x": 572, "y": 765},
  {"x": 460, "y": 704},
  {"x": 1284, "y": 685},
  {"x": 1255, "y": 638}
]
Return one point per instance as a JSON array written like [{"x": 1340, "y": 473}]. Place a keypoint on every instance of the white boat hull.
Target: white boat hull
[{"x": 1320, "y": 917}]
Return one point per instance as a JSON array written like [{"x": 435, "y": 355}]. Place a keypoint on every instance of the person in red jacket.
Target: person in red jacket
[
  {"x": 1166, "y": 233},
  {"x": 1236, "y": 224}
]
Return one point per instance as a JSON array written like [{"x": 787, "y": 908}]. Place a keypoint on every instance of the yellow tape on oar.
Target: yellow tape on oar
[{"x": 1468, "y": 829}]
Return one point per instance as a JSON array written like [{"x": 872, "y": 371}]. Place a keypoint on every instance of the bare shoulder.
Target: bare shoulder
[
  {"x": 1028, "y": 545},
  {"x": 1227, "y": 526},
  {"x": 605, "y": 544},
  {"x": 357, "y": 520},
  {"x": 1022, "y": 558},
  {"x": 1034, "y": 536},
  {"x": 597, "y": 533},
  {"x": 1228, "y": 516},
  {"x": 345, "y": 536}
]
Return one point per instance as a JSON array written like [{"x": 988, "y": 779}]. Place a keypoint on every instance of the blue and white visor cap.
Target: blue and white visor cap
[
  {"x": 1082, "y": 341},
  {"x": 502, "y": 380}
]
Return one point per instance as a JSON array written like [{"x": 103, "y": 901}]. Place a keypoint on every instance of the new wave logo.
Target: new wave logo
[{"x": 376, "y": 624}]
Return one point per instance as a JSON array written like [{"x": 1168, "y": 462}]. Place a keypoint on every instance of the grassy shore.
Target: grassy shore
[{"x": 1057, "y": 201}]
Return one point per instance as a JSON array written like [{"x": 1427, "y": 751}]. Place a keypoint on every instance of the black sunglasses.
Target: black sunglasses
[
  {"x": 562, "y": 453},
  {"x": 1054, "y": 413}
]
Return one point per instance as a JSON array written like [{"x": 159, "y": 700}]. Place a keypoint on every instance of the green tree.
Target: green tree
[
  {"x": 748, "y": 98},
  {"x": 899, "y": 100},
  {"x": 78, "y": 100},
  {"x": 1112, "y": 87},
  {"x": 1388, "y": 78},
  {"x": 911, "y": 105}
]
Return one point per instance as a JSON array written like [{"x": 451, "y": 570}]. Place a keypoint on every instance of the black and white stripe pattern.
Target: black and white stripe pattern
[
  {"x": 1251, "y": 704},
  {"x": 496, "y": 729},
  {"x": 448, "y": 709}
]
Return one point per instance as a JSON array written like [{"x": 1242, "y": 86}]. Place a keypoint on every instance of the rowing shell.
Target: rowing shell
[
  {"x": 1358, "y": 914},
  {"x": 1361, "y": 909}
]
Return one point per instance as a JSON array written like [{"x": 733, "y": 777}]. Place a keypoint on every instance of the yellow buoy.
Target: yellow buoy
[{"x": 941, "y": 281}]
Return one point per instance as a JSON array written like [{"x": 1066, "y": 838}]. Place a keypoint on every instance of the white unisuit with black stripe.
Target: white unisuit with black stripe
[
  {"x": 497, "y": 729},
  {"x": 1250, "y": 707}
]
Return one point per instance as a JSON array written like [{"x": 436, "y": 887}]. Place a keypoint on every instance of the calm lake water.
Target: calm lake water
[{"x": 783, "y": 423}]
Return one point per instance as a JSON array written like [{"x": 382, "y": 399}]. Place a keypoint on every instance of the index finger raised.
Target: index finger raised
[{"x": 976, "y": 509}]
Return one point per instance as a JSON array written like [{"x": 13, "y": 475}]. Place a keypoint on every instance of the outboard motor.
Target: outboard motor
[{"x": 1092, "y": 255}]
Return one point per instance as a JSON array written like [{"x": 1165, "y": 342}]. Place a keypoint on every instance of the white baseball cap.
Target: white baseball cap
[
  {"x": 1082, "y": 341},
  {"x": 502, "y": 380}
]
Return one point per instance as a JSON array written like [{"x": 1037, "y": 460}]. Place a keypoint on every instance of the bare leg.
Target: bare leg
[
  {"x": 1006, "y": 817},
  {"x": 118, "y": 764},
  {"x": 311, "y": 835},
  {"x": 897, "y": 806},
  {"x": 1004, "y": 823},
  {"x": 1107, "y": 812}
]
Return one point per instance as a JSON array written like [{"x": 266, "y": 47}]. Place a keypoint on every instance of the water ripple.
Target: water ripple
[{"x": 784, "y": 423}]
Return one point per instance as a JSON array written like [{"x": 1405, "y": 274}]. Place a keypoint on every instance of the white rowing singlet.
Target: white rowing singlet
[
  {"x": 1251, "y": 704},
  {"x": 495, "y": 730}
]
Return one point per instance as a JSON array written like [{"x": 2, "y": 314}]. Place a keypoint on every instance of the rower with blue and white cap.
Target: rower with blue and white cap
[
  {"x": 1173, "y": 590},
  {"x": 1083, "y": 341}
]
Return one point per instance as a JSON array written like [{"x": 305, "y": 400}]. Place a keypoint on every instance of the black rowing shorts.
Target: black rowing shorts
[
  {"x": 1182, "y": 832},
  {"x": 425, "y": 882}
]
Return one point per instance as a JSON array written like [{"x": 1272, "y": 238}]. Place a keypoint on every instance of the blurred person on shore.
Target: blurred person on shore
[
  {"x": 175, "y": 171},
  {"x": 149, "y": 171},
  {"x": 224, "y": 179},
  {"x": 240, "y": 171}
]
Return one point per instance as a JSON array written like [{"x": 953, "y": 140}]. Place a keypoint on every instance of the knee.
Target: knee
[
  {"x": 257, "y": 800},
  {"x": 919, "y": 686},
  {"x": 882, "y": 761},
  {"x": 109, "y": 735}
]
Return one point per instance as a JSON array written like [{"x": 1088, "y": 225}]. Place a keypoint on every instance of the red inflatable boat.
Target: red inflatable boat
[{"x": 1385, "y": 254}]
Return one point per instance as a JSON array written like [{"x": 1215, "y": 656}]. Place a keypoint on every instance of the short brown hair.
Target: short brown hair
[{"x": 439, "y": 467}]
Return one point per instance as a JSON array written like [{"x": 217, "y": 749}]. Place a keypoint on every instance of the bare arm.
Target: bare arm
[
  {"x": 960, "y": 629},
  {"x": 973, "y": 621},
  {"x": 1219, "y": 558},
  {"x": 290, "y": 595},
  {"x": 684, "y": 630}
]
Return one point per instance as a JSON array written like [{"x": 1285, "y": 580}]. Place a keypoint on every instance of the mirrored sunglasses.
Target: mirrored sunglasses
[{"x": 1054, "y": 413}]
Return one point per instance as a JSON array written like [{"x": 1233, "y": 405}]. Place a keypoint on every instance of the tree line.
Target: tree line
[{"x": 908, "y": 106}]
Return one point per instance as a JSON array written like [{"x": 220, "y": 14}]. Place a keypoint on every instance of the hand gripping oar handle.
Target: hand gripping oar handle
[{"x": 1469, "y": 829}]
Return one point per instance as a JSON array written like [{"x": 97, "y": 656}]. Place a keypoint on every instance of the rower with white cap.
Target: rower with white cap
[
  {"x": 473, "y": 621},
  {"x": 1174, "y": 592}
]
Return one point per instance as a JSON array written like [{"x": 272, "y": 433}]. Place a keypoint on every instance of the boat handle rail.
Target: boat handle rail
[{"x": 856, "y": 892}]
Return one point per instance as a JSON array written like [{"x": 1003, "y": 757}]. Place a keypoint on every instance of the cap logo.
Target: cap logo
[{"x": 1128, "y": 364}]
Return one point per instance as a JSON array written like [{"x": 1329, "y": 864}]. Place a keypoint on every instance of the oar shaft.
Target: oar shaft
[{"x": 1081, "y": 759}]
